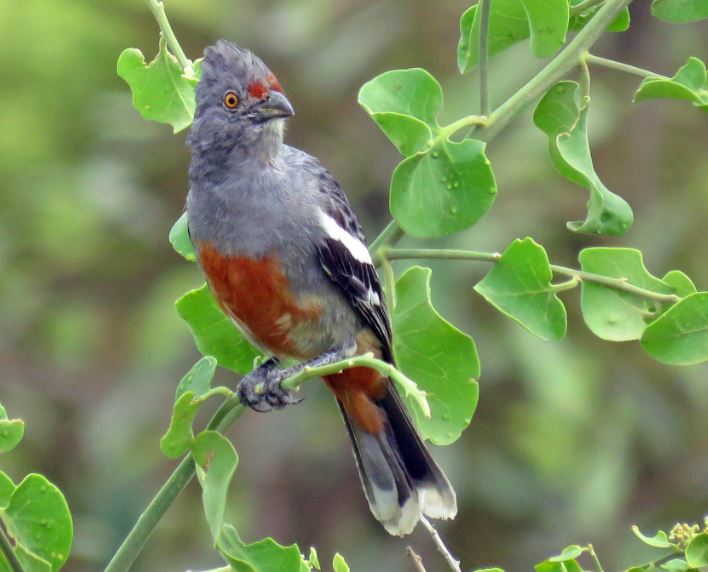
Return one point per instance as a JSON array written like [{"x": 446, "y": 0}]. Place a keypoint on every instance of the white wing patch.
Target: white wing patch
[{"x": 355, "y": 246}]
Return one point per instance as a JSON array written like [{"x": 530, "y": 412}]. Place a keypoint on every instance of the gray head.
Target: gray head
[{"x": 241, "y": 107}]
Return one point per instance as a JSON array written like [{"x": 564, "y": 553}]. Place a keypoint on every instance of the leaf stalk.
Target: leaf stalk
[
  {"x": 9, "y": 553},
  {"x": 158, "y": 11},
  {"x": 484, "y": 57},
  {"x": 619, "y": 66}
]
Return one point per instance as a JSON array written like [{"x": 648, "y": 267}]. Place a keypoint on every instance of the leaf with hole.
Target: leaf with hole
[
  {"x": 405, "y": 105},
  {"x": 519, "y": 286},
  {"x": 689, "y": 83},
  {"x": 179, "y": 239},
  {"x": 680, "y": 10},
  {"x": 441, "y": 359},
  {"x": 161, "y": 91},
  {"x": 214, "y": 333},
  {"x": 442, "y": 191},
  {"x": 560, "y": 117},
  {"x": 216, "y": 462},
  {"x": 263, "y": 556},
  {"x": 38, "y": 519},
  {"x": 511, "y": 21},
  {"x": 612, "y": 314},
  {"x": 680, "y": 335}
]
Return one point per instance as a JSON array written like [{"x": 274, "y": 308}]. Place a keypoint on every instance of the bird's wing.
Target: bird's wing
[{"x": 345, "y": 258}]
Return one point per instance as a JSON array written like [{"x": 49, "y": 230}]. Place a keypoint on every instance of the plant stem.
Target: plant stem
[
  {"x": 415, "y": 559},
  {"x": 449, "y": 558},
  {"x": 585, "y": 81},
  {"x": 583, "y": 6},
  {"x": 567, "y": 285},
  {"x": 10, "y": 556},
  {"x": 158, "y": 10},
  {"x": 576, "y": 276},
  {"x": 390, "y": 283},
  {"x": 123, "y": 559},
  {"x": 554, "y": 71},
  {"x": 483, "y": 57},
  {"x": 388, "y": 236},
  {"x": 595, "y": 559},
  {"x": 619, "y": 66}
]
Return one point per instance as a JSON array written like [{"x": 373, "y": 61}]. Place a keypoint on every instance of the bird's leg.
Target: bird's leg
[{"x": 246, "y": 389}]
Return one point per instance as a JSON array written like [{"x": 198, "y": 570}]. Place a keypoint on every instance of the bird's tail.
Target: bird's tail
[{"x": 401, "y": 479}]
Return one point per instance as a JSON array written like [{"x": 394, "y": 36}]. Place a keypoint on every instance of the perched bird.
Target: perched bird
[{"x": 287, "y": 260}]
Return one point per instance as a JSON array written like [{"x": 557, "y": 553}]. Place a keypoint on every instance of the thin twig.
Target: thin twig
[
  {"x": 415, "y": 559},
  {"x": 10, "y": 556},
  {"x": 158, "y": 10},
  {"x": 595, "y": 559},
  {"x": 449, "y": 558},
  {"x": 619, "y": 66},
  {"x": 484, "y": 57}
]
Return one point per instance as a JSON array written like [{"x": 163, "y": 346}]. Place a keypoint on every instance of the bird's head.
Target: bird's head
[{"x": 240, "y": 102}]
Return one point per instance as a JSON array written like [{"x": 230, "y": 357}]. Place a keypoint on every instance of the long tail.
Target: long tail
[{"x": 401, "y": 480}]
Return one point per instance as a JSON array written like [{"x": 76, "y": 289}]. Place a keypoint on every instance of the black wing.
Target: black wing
[{"x": 357, "y": 279}]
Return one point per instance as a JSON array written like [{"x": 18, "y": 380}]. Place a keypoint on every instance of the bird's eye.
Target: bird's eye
[{"x": 230, "y": 100}]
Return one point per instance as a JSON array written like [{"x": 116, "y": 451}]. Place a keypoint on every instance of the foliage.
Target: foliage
[{"x": 36, "y": 529}]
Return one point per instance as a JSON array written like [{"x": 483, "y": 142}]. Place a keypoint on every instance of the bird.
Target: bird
[{"x": 287, "y": 260}]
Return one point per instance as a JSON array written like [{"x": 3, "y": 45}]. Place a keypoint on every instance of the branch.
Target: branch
[
  {"x": 483, "y": 57},
  {"x": 10, "y": 556},
  {"x": 452, "y": 562},
  {"x": 595, "y": 560},
  {"x": 619, "y": 66},
  {"x": 158, "y": 10},
  {"x": 576, "y": 276}
]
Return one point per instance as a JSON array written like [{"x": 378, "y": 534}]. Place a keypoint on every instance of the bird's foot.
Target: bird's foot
[{"x": 261, "y": 389}]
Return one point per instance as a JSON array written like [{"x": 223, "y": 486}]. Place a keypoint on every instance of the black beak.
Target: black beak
[{"x": 276, "y": 105}]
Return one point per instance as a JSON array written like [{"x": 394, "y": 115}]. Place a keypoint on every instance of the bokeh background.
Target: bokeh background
[{"x": 572, "y": 441}]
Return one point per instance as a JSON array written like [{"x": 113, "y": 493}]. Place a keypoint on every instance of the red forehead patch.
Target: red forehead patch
[{"x": 257, "y": 89}]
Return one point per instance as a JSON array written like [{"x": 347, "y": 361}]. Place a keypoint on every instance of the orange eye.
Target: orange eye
[{"x": 230, "y": 100}]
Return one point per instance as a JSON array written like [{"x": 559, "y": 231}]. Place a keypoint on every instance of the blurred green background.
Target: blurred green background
[{"x": 572, "y": 441}]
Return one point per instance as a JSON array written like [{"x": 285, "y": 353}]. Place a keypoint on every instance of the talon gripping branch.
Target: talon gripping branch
[{"x": 287, "y": 260}]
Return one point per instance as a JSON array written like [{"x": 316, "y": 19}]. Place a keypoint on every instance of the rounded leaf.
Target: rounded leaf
[
  {"x": 680, "y": 10},
  {"x": 444, "y": 190},
  {"x": 441, "y": 359},
  {"x": 697, "y": 551},
  {"x": 179, "y": 238},
  {"x": 263, "y": 556},
  {"x": 38, "y": 518},
  {"x": 519, "y": 286},
  {"x": 680, "y": 335},
  {"x": 690, "y": 83}
]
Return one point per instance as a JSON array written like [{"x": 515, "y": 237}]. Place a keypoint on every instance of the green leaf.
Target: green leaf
[
  {"x": 488, "y": 570},
  {"x": 689, "y": 83},
  {"x": 510, "y": 21},
  {"x": 161, "y": 92},
  {"x": 441, "y": 359},
  {"x": 30, "y": 561},
  {"x": 339, "y": 564},
  {"x": 680, "y": 10},
  {"x": 38, "y": 519},
  {"x": 697, "y": 551},
  {"x": 214, "y": 333},
  {"x": 565, "y": 566},
  {"x": 682, "y": 284},
  {"x": 198, "y": 379},
  {"x": 216, "y": 461},
  {"x": 263, "y": 556},
  {"x": 179, "y": 436},
  {"x": 405, "y": 105},
  {"x": 675, "y": 565},
  {"x": 565, "y": 124},
  {"x": 7, "y": 487},
  {"x": 519, "y": 286},
  {"x": 313, "y": 560},
  {"x": 444, "y": 190},
  {"x": 680, "y": 335},
  {"x": 569, "y": 553},
  {"x": 659, "y": 540},
  {"x": 11, "y": 432},
  {"x": 612, "y": 314},
  {"x": 179, "y": 239},
  {"x": 619, "y": 24}
]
